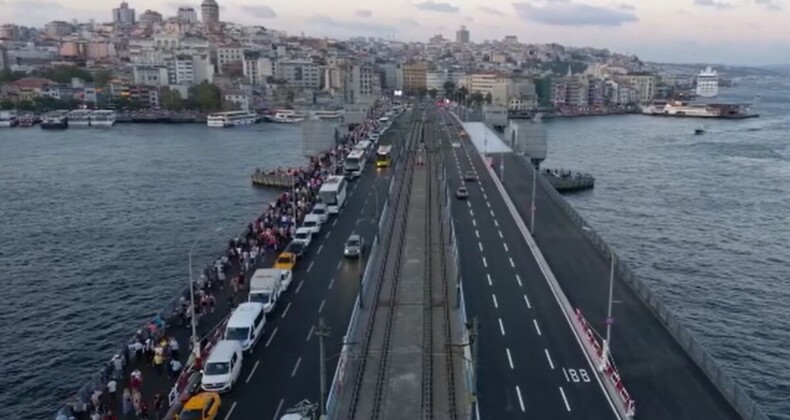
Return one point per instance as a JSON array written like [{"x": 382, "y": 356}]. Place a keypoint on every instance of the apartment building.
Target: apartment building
[
  {"x": 414, "y": 77},
  {"x": 229, "y": 54},
  {"x": 645, "y": 85},
  {"x": 362, "y": 84},
  {"x": 257, "y": 68},
  {"x": 299, "y": 73}
]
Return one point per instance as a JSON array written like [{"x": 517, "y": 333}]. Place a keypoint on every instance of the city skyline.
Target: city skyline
[{"x": 747, "y": 32}]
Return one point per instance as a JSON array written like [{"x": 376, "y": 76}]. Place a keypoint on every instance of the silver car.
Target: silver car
[{"x": 355, "y": 245}]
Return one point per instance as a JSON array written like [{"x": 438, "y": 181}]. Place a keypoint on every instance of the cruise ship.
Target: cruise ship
[
  {"x": 708, "y": 83},
  {"x": 92, "y": 118},
  {"x": 8, "y": 118},
  {"x": 231, "y": 119}
]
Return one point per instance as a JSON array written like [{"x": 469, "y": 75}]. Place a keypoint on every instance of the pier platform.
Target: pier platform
[
  {"x": 272, "y": 180},
  {"x": 565, "y": 181}
]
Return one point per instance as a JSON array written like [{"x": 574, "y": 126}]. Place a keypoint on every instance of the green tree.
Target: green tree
[
  {"x": 26, "y": 105},
  {"x": 102, "y": 77},
  {"x": 463, "y": 92},
  {"x": 7, "y": 75},
  {"x": 489, "y": 98},
  {"x": 432, "y": 93},
  {"x": 449, "y": 88},
  {"x": 477, "y": 98},
  {"x": 171, "y": 99},
  {"x": 6, "y": 104},
  {"x": 64, "y": 74},
  {"x": 206, "y": 97}
]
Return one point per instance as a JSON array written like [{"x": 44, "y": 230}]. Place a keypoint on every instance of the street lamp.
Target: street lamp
[
  {"x": 195, "y": 342},
  {"x": 609, "y": 320},
  {"x": 532, "y": 208}
]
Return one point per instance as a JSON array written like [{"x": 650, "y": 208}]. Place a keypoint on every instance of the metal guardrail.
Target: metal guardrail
[{"x": 730, "y": 389}]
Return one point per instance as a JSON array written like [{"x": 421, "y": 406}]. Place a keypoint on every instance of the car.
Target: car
[
  {"x": 321, "y": 211},
  {"x": 203, "y": 406},
  {"x": 285, "y": 261},
  {"x": 312, "y": 222},
  {"x": 303, "y": 235},
  {"x": 296, "y": 248},
  {"x": 470, "y": 176},
  {"x": 461, "y": 193},
  {"x": 354, "y": 247}
]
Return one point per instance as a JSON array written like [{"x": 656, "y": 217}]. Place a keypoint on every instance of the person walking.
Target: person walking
[{"x": 127, "y": 402}]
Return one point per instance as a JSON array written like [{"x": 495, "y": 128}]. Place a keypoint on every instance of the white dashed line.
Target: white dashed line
[
  {"x": 232, "y": 407},
  {"x": 255, "y": 366},
  {"x": 310, "y": 267},
  {"x": 564, "y": 398},
  {"x": 509, "y": 359},
  {"x": 310, "y": 333},
  {"x": 502, "y": 327},
  {"x": 489, "y": 279},
  {"x": 477, "y": 234},
  {"x": 492, "y": 213},
  {"x": 480, "y": 245},
  {"x": 474, "y": 223},
  {"x": 277, "y": 412},
  {"x": 271, "y": 337},
  {"x": 485, "y": 263},
  {"x": 331, "y": 283},
  {"x": 472, "y": 212},
  {"x": 537, "y": 328},
  {"x": 500, "y": 235},
  {"x": 319, "y": 249},
  {"x": 496, "y": 304},
  {"x": 334, "y": 223},
  {"x": 526, "y": 299},
  {"x": 321, "y": 307},
  {"x": 488, "y": 204},
  {"x": 512, "y": 264},
  {"x": 518, "y": 279},
  {"x": 548, "y": 357},
  {"x": 520, "y": 400},
  {"x": 299, "y": 287},
  {"x": 496, "y": 223},
  {"x": 338, "y": 264},
  {"x": 328, "y": 233},
  {"x": 285, "y": 312},
  {"x": 506, "y": 248},
  {"x": 296, "y": 367},
  {"x": 469, "y": 204}
]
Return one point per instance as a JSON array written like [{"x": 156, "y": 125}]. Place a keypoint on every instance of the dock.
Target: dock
[
  {"x": 272, "y": 179},
  {"x": 565, "y": 181}
]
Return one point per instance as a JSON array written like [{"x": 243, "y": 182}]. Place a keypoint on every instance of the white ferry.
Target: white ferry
[
  {"x": 102, "y": 118},
  {"x": 689, "y": 110},
  {"x": 231, "y": 119},
  {"x": 80, "y": 118},
  {"x": 287, "y": 117},
  {"x": 327, "y": 115},
  {"x": 708, "y": 83},
  {"x": 8, "y": 118}
]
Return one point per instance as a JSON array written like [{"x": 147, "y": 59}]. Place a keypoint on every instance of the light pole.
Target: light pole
[
  {"x": 607, "y": 340},
  {"x": 532, "y": 208},
  {"x": 322, "y": 332},
  {"x": 193, "y": 318}
]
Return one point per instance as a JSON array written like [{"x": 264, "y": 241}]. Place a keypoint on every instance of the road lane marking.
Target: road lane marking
[
  {"x": 485, "y": 263},
  {"x": 255, "y": 366},
  {"x": 565, "y": 372},
  {"x": 334, "y": 223},
  {"x": 309, "y": 333},
  {"x": 469, "y": 204},
  {"x": 496, "y": 223},
  {"x": 293, "y": 372},
  {"x": 474, "y": 223},
  {"x": 331, "y": 283},
  {"x": 512, "y": 264},
  {"x": 518, "y": 279},
  {"x": 496, "y": 304},
  {"x": 285, "y": 312},
  {"x": 520, "y": 400},
  {"x": 489, "y": 279},
  {"x": 310, "y": 267},
  {"x": 480, "y": 245},
  {"x": 320, "y": 248},
  {"x": 501, "y": 326},
  {"x": 299, "y": 287},
  {"x": 535, "y": 322},
  {"x": 477, "y": 234},
  {"x": 279, "y": 407},
  {"x": 492, "y": 213},
  {"x": 321, "y": 307},
  {"x": 227, "y": 416},
  {"x": 488, "y": 203},
  {"x": 271, "y": 337},
  {"x": 328, "y": 233},
  {"x": 472, "y": 212},
  {"x": 338, "y": 264},
  {"x": 500, "y": 235},
  {"x": 506, "y": 248},
  {"x": 564, "y": 398},
  {"x": 548, "y": 356},
  {"x": 526, "y": 299},
  {"x": 509, "y": 359}
]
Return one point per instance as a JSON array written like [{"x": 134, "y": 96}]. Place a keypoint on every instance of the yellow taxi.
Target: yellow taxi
[
  {"x": 285, "y": 261},
  {"x": 203, "y": 406}
]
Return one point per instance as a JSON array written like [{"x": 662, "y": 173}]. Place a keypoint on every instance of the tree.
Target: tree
[
  {"x": 433, "y": 93},
  {"x": 449, "y": 88},
  {"x": 420, "y": 93},
  {"x": 463, "y": 93},
  {"x": 102, "y": 77},
  {"x": 171, "y": 99},
  {"x": 7, "y": 75},
  {"x": 489, "y": 98},
  {"x": 6, "y": 104},
  {"x": 206, "y": 97},
  {"x": 477, "y": 98},
  {"x": 64, "y": 74}
]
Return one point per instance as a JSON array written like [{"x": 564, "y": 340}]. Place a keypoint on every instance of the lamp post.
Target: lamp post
[
  {"x": 193, "y": 320},
  {"x": 609, "y": 320},
  {"x": 532, "y": 207}
]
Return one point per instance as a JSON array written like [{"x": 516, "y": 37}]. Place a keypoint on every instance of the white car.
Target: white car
[
  {"x": 312, "y": 222},
  {"x": 321, "y": 211},
  {"x": 303, "y": 235},
  {"x": 374, "y": 138}
]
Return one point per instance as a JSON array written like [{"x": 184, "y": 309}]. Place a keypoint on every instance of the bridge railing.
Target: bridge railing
[{"x": 729, "y": 388}]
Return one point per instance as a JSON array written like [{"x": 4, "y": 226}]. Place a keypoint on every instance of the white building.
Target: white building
[
  {"x": 123, "y": 15},
  {"x": 151, "y": 76},
  {"x": 362, "y": 84},
  {"x": 299, "y": 73},
  {"x": 187, "y": 15},
  {"x": 229, "y": 54},
  {"x": 240, "y": 99},
  {"x": 256, "y": 68},
  {"x": 188, "y": 70}
]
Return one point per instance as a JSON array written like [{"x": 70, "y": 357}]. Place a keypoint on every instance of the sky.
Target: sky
[{"x": 746, "y": 32}]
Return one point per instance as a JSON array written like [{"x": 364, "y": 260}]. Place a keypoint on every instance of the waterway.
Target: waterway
[
  {"x": 704, "y": 220},
  {"x": 96, "y": 228}
]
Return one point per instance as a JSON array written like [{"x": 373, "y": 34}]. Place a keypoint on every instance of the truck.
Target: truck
[{"x": 265, "y": 287}]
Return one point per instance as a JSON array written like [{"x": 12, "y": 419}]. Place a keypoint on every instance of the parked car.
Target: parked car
[
  {"x": 321, "y": 211},
  {"x": 354, "y": 247},
  {"x": 461, "y": 193},
  {"x": 297, "y": 248},
  {"x": 203, "y": 406},
  {"x": 303, "y": 235},
  {"x": 312, "y": 222},
  {"x": 285, "y": 261}
]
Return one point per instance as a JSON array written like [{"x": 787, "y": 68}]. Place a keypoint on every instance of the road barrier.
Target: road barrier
[{"x": 731, "y": 391}]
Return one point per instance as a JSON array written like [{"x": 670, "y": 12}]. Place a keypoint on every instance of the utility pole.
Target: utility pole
[
  {"x": 609, "y": 320},
  {"x": 322, "y": 332}
]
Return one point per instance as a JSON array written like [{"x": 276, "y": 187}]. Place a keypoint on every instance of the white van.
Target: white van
[
  {"x": 312, "y": 222},
  {"x": 223, "y": 367},
  {"x": 245, "y": 324},
  {"x": 321, "y": 210}
]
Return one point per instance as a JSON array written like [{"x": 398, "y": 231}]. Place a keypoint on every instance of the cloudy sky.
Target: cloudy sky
[{"x": 722, "y": 31}]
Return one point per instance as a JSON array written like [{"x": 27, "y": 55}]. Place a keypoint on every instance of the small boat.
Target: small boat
[
  {"x": 699, "y": 131},
  {"x": 55, "y": 120}
]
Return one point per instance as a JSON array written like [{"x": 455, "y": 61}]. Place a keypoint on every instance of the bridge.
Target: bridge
[{"x": 476, "y": 308}]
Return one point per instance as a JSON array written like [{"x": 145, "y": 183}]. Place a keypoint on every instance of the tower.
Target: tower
[
  {"x": 210, "y": 12},
  {"x": 462, "y": 36}
]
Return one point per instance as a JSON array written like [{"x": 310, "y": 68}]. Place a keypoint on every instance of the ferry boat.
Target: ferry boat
[
  {"x": 287, "y": 117},
  {"x": 708, "y": 83},
  {"x": 689, "y": 110},
  {"x": 27, "y": 119},
  {"x": 79, "y": 118},
  {"x": 231, "y": 119},
  {"x": 8, "y": 118},
  {"x": 55, "y": 120},
  {"x": 102, "y": 118}
]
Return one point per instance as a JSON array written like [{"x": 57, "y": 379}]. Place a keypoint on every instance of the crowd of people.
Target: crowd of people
[{"x": 153, "y": 347}]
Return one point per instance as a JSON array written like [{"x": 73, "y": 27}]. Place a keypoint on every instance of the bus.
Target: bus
[
  {"x": 384, "y": 156},
  {"x": 355, "y": 163},
  {"x": 364, "y": 145},
  {"x": 333, "y": 193}
]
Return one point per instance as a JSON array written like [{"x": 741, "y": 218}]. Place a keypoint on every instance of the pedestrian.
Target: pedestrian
[
  {"x": 158, "y": 404},
  {"x": 174, "y": 368},
  {"x": 112, "y": 391},
  {"x": 174, "y": 347},
  {"x": 127, "y": 402},
  {"x": 159, "y": 360},
  {"x": 137, "y": 401}
]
